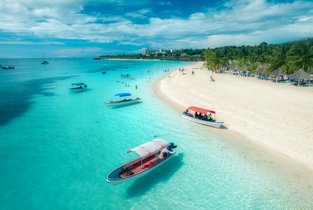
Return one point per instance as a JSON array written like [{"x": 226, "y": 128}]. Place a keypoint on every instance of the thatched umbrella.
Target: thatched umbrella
[
  {"x": 277, "y": 73},
  {"x": 261, "y": 71},
  {"x": 299, "y": 76},
  {"x": 262, "y": 74}
]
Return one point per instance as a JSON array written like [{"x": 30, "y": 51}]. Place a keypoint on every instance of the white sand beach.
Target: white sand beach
[{"x": 277, "y": 116}]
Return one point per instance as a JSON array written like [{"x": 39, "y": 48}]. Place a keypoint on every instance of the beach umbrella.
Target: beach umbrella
[
  {"x": 261, "y": 71},
  {"x": 277, "y": 73},
  {"x": 300, "y": 75}
]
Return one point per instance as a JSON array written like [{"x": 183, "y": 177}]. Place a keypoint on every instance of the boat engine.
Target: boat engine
[{"x": 171, "y": 146}]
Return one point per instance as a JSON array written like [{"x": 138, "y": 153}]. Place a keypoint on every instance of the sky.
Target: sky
[{"x": 84, "y": 28}]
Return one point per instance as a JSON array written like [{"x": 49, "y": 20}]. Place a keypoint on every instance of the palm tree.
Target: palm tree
[
  {"x": 261, "y": 52},
  {"x": 214, "y": 60},
  {"x": 252, "y": 66},
  {"x": 209, "y": 57},
  {"x": 301, "y": 55},
  {"x": 280, "y": 59}
]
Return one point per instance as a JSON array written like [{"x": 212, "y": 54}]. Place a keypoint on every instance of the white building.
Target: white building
[{"x": 144, "y": 51}]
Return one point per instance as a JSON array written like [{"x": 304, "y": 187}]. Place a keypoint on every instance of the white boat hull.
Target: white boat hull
[
  {"x": 136, "y": 176},
  {"x": 122, "y": 102},
  {"x": 204, "y": 122}
]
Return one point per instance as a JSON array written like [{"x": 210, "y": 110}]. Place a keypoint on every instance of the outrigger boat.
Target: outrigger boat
[
  {"x": 202, "y": 116},
  {"x": 152, "y": 154},
  {"x": 78, "y": 86},
  {"x": 124, "y": 98}
]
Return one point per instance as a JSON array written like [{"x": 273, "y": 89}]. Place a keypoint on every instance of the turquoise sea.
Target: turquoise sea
[{"x": 56, "y": 146}]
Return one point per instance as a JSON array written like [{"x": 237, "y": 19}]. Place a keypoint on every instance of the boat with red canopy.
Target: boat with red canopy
[
  {"x": 202, "y": 116},
  {"x": 151, "y": 155}
]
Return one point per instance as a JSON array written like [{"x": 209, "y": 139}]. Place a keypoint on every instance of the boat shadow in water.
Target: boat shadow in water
[
  {"x": 125, "y": 105},
  {"x": 161, "y": 174},
  {"x": 78, "y": 91}
]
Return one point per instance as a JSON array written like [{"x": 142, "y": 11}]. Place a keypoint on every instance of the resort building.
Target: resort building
[{"x": 144, "y": 51}]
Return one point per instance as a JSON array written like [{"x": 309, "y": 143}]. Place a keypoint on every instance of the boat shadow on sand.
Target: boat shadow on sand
[
  {"x": 223, "y": 127},
  {"x": 161, "y": 174}
]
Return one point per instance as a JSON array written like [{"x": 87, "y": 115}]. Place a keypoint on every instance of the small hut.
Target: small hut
[{"x": 300, "y": 77}]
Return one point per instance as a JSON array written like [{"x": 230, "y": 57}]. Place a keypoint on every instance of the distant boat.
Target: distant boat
[
  {"x": 151, "y": 155},
  {"x": 7, "y": 67},
  {"x": 78, "y": 86},
  {"x": 124, "y": 98},
  {"x": 44, "y": 62},
  {"x": 202, "y": 116}
]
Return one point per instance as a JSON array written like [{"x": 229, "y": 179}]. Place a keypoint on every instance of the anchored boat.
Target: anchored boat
[
  {"x": 44, "y": 62},
  {"x": 123, "y": 98},
  {"x": 7, "y": 67},
  {"x": 78, "y": 86},
  {"x": 202, "y": 116},
  {"x": 151, "y": 155}
]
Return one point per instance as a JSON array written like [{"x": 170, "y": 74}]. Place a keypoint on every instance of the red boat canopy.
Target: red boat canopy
[{"x": 202, "y": 111}]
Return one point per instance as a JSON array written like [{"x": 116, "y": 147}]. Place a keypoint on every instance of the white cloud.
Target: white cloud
[
  {"x": 305, "y": 18},
  {"x": 241, "y": 22},
  {"x": 30, "y": 43}
]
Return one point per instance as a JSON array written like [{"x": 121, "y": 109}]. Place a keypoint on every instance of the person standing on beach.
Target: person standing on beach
[{"x": 136, "y": 87}]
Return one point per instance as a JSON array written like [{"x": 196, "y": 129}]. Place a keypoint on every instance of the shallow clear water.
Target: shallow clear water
[{"x": 56, "y": 146}]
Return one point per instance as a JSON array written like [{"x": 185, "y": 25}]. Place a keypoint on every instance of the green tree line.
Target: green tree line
[{"x": 290, "y": 57}]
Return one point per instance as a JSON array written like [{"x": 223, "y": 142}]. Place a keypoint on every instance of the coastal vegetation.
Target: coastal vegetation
[
  {"x": 289, "y": 57},
  {"x": 177, "y": 55}
]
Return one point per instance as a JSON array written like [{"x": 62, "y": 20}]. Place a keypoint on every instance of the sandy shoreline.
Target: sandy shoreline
[{"x": 276, "y": 117}]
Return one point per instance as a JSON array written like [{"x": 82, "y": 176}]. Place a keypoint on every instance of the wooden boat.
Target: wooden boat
[
  {"x": 151, "y": 155},
  {"x": 78, "y": 86},
  {"x": 7, "y": 67},
  {"x": 202, "y": 116},
  {"x": 124, "y": 98}
]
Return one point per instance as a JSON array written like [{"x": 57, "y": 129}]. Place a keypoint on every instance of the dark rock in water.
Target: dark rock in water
[{"x": 103, "y": 72}]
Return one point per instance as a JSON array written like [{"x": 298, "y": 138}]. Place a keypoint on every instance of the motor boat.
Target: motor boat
[
  {"x": 123, "y": 99},
  {"x": 151, "y": 155},
  {"x": 202, "y": 116},
  {"x": 78, "y": 86},
  {"x": 7, "y": 67}
]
